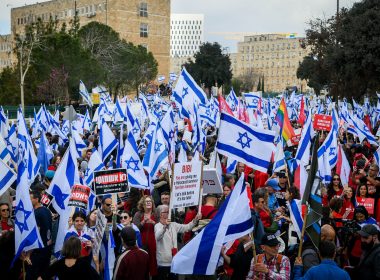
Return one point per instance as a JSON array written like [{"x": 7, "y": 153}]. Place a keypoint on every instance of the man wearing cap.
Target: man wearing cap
[
  {"x": 133, "y": 263},
  {"x": 272, "y": 186},
  {"x": 369, "y": 265},
  {"x": 271, "y": 264}
]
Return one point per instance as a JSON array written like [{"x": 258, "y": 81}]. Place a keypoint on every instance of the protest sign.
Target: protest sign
[
  {"x": 293, "y": 141},
  {"x": 186, "y": 184},
  {"x": 210, "y": 181},
  {"x": 368, "y": 203},
  {"x": 322, "y": 122},
  {"x": 46, "y": 199},
  {"x": 79, "y": 196},
  {"x": 100, "y": 226},
  {"x": 110, "y": 181}
]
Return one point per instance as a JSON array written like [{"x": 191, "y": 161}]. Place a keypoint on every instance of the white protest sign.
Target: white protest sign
[
  {"x": 211, "y": 183},
  {"x": 101, "y": 223},
  {"x": 186, "y": 184}
]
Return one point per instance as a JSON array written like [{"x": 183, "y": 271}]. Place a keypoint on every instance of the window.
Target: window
[
  {"x": 144, "y": 30},
  {"x": 143, "y": 9}
]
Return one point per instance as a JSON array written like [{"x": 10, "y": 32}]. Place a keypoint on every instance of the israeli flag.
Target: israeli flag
[
  {"x": 177, "y": 98},
  {"x": 279, "y": 158},
  {"x": 7, "y": 177},
  {"x": 173, "y": 76},
  {"x": 120, "y": 148},
  {"x": 168, "y": 130},
  {"x": 232, "y": 100},
  {"x": 79, "y": 143},
  {"x": 244, "y": 143},
  {"x": 303, "y": 151},
  {"x": 231, "y": 165},
  {"x": 11, "y": 141},
  {"x": 252, "y": 99},
  {"x": 84, "y": 93},
  {"x": 25, "y": 149},
  {"x": 118, "y": 113},
  {"x": 45, "y": 154},
  {"x": 87, "y": 121},
  {"x": 107, "y": 140},
  {"x": 161, "y": 78},
  {"x": 4, "y": 152},
  {"x": 27, "y": 234},
  {"x": 233, "y": 220},
  {"x": 4, "y": 127},
  {"x": 108, "y": 253},
  {"x": 156, "y": 155},
  {"x": 295, "y": 211},
  {"x": 189, "y": 91},
  {"x": 65, "y": 177},
  {"x": 94, "y": 164},
  {"x": 207, "y": 115}
]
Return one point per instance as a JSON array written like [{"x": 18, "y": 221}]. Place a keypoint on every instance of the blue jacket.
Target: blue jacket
[{"x": 328, "y": 269}]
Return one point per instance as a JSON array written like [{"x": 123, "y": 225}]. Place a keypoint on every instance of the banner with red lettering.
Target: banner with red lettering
[
  {"x": 368, "y": 203},
  {"x": 79, "y": 196},
  {"x": 322, "y": 122},
  {"x": 186, "y": 184},
  {"x": 111, "y": 181}
]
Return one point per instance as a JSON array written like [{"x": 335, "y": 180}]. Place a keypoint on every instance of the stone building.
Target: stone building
[
  {"x": 186, "y": 36},
  {"x": 142, "y": 22},
  {"x": 6, "y": 52},
  {"x": 273, "y": 56}
]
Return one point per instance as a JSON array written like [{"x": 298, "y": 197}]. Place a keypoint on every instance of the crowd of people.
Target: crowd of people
[{"x": 146, "y": 233}]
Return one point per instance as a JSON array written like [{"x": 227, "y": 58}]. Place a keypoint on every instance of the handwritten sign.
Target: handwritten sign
[
  {"x": 322, "y": 122},
  {"x": 186, "y": 184},
  {"x": 100, "y": 226},
  {"x": 210, "y": 181}
]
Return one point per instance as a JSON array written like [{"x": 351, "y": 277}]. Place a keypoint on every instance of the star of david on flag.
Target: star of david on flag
[{"x": 244, "y": 140}]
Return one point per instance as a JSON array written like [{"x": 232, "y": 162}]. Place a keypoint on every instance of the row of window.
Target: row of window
[
  {"x": 268, "y": 47},
  {"x": 82, "y": 11},
  {"x": 186, "y": 22},
  {"x": 181, "y": 42},
  {"x": 182, "y": 53},
  {"x": 5, "y": 47},
  {"x": 274, "y": 56},
  {"x": 185, "y": 27},
  {"x": 197, "y": 32},
  {"x": 192, "y": 47},
  {"x": 5, "y": 63}
]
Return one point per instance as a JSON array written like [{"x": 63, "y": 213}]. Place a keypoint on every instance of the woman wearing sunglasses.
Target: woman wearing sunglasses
[
  {"x": 334, "y": 189},
  {"x": 6, "y": 221},
  {"x": 126, "y": 220}
]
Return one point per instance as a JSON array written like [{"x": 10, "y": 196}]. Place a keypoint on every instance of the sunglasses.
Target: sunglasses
[
  {"x": 124, "y": 217},
  {"x": 336, "y": 179},
  {"x": 108, "y": 204},
  {"x": 4, "y": 210}
]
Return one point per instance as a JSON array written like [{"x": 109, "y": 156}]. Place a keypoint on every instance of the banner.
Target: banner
[
  {"x": 46, "y": 199},
  {"x": 110, "y": 181},
  {"x": 210, "y": 182},
  {"x": 322, "y": 122},
  {"x": 368, "y": 203},
  {"x": 186, "y": 184},
  {"x": 100, "y": 226},
  {"x": 79, "y": 196}
]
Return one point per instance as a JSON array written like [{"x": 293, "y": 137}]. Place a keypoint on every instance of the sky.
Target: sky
[{"x": 227, "y": 21}]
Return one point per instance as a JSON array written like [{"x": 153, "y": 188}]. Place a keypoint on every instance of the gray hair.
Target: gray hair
[{"x": 161, "y": 208}]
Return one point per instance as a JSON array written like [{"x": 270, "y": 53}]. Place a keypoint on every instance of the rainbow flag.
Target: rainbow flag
[{"x": 283, "y": 121}]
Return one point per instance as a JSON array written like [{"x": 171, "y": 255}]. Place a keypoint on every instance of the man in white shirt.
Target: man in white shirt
[{"x": 166, "y": 239}]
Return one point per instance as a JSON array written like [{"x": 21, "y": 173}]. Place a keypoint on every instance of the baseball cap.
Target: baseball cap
[
  {"x": 368, "y": 230},
  {"x": 269, "y": 240},
  {"x": 273, "y": 183}
]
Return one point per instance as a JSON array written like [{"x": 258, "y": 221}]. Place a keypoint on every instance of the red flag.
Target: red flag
[
  {"x": 367, "y": 121},
  {"x": 242, "y": 113},
  {"x": 249, "y": 193},
  {"x": 302, "y": 116},
  {"x": 223, "y": 105}
]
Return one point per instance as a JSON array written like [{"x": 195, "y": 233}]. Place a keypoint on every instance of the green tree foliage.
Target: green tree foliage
[
  {"x": 211, "y": 66},
  {"x": 345, "y": 51}
]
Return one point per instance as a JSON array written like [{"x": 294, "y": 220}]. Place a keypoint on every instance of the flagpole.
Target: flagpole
[
  {"x": 201, "y": 190},
  {"x": 254, "y": 248},
  {"x": 303, "y": 231},
  {"x": 171, "y": 191},
  {"x": 287, "y": 174}
]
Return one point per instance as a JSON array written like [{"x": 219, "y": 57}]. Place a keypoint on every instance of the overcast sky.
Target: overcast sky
[{"x": 226, "y": 21}]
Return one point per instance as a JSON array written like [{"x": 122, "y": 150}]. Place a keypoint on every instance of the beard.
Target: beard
[{"x": 367, "y": 246}]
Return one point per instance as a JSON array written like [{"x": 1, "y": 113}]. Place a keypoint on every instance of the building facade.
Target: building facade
[
  {"x": 186, "y": 36},
  {"x": 275, "y": 57},
  {"x": 6, "y": 52},
  {"x": 141, "y": 22}
]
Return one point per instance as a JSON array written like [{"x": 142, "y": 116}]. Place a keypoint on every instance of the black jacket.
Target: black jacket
[{"x": 369, "y": 266}]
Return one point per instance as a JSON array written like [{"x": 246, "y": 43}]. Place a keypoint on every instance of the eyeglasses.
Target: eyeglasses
[
  {"x": 5, "y": 210},
  {"x": 336, "y": 179},
  {"x": 146, "y": 201},
  {"x": 124, "y": 217},
  {"x": 164, "y": 212}
]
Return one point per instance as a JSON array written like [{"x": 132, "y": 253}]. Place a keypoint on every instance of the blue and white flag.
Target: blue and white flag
[
  {"x": 45, "y": 154},
  {"x": 118, "y": 113},
  {"x": 108, "y": 254},
  {"x": 131, "y": 161},
  {"x": 161, "y": 79},
  {"x": 244, "y": 143},
  {"x": 252, "y": 99},
  {"x": 65, "y": 177},
  {"x": 7, "y": 177},
  {"x": 156, "y": 155},
  {"x": 376, "y": 155},
  {"x": 107, "y": 140},
  {"x": 120, "y": 147},
  {"x": 84, "y": 93},
  {"x": 27, "y": 234},
  {"x": 189, "y": 90},
  {"x": 94, "y": 164},
  {"x": 233, "y": 220},
  {"x": 231, "y": 165},
  {"x": 232, "y": 100},
  {"x": 279, "y": 158},
  {"x": 295, "y": 210},
  {"x": 173, "y": 76},
  {"x": 79, "y": 143},
  {"x": 26, "y": 149},
  {"x": 87, "y": 121},
  {"x": 4, "y": 126},
  {"x": 11, "y": 141},
  {"x": 5, "y": 155}
]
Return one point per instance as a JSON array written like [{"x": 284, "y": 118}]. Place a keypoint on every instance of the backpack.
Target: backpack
[{"x": 260, "y": 258}]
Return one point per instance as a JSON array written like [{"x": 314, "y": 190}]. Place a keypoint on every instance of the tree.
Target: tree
[
  {"x": 345, "y": 51},
  {"x": 259, "y": 84},
  {"x": 211, "y": 66},
  {"x": 262, "y": 85},
  {"x": 9, "y": 87}
]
